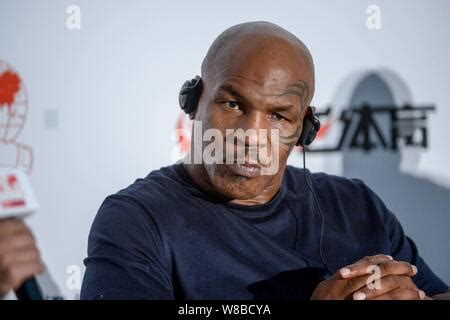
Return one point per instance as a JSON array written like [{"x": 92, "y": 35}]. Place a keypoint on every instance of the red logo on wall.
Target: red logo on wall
[{"x": 13, "y": 113}]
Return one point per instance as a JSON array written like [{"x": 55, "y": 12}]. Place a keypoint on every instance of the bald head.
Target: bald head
[{"x": 244, "y": 43}]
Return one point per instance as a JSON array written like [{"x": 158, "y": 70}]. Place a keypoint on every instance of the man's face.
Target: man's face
[{"x": 266, "y": 94}]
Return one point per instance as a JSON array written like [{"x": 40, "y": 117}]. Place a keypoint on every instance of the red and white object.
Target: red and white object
[{"x": 17, "y": 198}]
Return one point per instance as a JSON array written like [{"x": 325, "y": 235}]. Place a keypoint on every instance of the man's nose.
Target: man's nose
[{"x": 254, "y": 122}]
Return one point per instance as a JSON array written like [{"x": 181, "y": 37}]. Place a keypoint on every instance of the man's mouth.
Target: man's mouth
[{"x": 245, "y": 169}]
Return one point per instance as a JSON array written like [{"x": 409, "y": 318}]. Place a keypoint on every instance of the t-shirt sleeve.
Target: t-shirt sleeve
[
  {"x": 404, "y": 249},
  {"x": 126, "y": 259}
]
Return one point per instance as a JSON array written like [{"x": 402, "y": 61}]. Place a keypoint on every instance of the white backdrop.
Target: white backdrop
[{"x": 111, "y": 88}]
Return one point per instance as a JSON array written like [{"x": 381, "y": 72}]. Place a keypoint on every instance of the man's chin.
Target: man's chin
[{"x": 232, "y": 184}]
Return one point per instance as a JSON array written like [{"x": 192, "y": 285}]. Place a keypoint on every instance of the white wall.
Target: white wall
[{"x": 114, "y": 86}]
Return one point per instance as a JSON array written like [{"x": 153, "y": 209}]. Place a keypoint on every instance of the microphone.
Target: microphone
[
  {"x": 29, "y": 290},
  {"x": 19, "y": 201}
]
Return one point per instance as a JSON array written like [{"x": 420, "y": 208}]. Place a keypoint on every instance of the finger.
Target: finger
[
  {"x": 351, "y": 285},
  {"x": 375, "y": 273},
  {"x": 27, "y": 255},
  {"x": 385, "y": 268},
  {"x": 11, "y": 226},
  {"x": 403, "y": 294},
  {"x": 382, "y": 286},
  {"x": 24, "y": 271},
  {"x": 5, "y": 286},
  {"x": 6, "y": 235},
  {"x": 16, "y": 242},
  {"x": 397, "y": 268},
  {"x": 15, "y": 274},
  {"x": 359, "y": 268}
]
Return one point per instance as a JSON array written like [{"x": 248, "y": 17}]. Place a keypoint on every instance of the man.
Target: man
[{"x": 215, "y": 230}]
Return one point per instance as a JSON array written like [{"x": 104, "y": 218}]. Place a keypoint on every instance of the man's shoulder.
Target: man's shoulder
[
  {"x": 139, "y": 206},
  {"x": 158, "y": 184},
  {"x": 159, "y": 188},
  {"x": 321, "y": 181},
  {"x": 345, "y": 198}
]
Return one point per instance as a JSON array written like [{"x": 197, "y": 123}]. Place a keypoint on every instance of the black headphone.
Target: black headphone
[{"x": 191, "y": 91}]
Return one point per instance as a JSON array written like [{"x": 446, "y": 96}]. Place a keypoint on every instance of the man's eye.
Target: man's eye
[
  {"x": 278, "y": 117},
  {"x": 234, "y": 105}
]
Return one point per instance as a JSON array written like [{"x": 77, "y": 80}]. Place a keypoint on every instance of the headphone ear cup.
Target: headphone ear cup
[
  {"x": 311, "y": 137},
  {"x": 190, "y": 93},
  {"x": 311, "y": 126},
  {"x": 305, "y": 137},
  {"x": 182, "y": 97}
]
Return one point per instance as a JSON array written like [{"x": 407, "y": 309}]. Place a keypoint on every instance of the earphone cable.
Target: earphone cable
[{"x": 320, "y": 213}]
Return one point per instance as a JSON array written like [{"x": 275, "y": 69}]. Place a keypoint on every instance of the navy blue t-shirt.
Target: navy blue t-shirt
[{"x": 163, "y": 238}]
